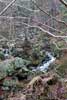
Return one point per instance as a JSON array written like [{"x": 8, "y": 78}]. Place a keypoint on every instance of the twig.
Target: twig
[{"x": 60, "y": 21}]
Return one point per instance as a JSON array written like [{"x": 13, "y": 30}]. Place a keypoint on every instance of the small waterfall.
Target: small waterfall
[{"x": 46, "y": 64}]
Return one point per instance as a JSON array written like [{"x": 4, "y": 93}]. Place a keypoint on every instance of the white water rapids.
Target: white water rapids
[{"x": 46, "y": 65}]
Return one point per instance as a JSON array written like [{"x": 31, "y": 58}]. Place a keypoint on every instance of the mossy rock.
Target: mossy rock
[
  {"x": 35, "y": 62},
  {"x": 2, "y": 57},
  {"x": 2, "y": 75}
]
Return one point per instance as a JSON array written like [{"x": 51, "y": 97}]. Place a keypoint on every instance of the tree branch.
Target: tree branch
[
  {"x": 63, "y": 48},
  {"x": 63, "y": 2},
  {"x": 52, "y": 17},
  {"x": 7, "y": 7},
  {"x": 38, "y": 27}
]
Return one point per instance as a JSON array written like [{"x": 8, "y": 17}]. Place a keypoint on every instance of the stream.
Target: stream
[
  {"x": 44, "y": 67},
  {"x": 49, "y": 59}
]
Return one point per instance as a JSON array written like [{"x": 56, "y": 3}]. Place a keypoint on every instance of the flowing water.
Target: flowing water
[{"x": 46, "y": 64}]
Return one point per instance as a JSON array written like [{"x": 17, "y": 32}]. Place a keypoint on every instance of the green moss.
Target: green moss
[
  {"x": 63, "y": 69},
  {"x": 2, "y": 55}
]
